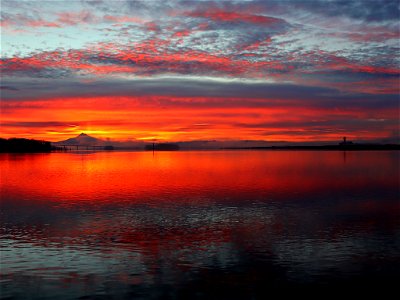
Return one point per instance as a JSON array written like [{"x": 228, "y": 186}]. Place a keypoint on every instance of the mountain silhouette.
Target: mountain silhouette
[{"x": 82, "y": 139}]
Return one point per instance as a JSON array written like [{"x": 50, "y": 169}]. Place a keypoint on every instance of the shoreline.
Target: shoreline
[{"x": 323, "y": 148}]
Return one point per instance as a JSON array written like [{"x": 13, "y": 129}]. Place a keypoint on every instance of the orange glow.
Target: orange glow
[{"x": 183, "y": 119}]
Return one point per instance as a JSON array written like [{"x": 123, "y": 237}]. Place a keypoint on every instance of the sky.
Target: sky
[{"x": 295, "y": 71}]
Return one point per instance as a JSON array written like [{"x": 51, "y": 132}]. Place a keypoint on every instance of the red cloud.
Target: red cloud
[
  {"x": 327, "y": 62},
  {"x": 76, "y": 18},
  {"x": 122, "y": 19},
  {"x": 69, "y": 19},
  {"x": 41, "y": 23},
  {"x": 341, "y": 63},
  {"x": 373, "y": 36},
  {"x": 24, "y": 21},
  {"x": 186, "y": 32},
  {"x": 74, "y": 60},
  {"x": 367, "y": 35},
  {"x": 181, "y": 33},
  {"x": 218, "y": 14},
  {"x": 256, "y": 45},
  {"x": 152, "y": 26},
  {"x": 156, "y": 56}
]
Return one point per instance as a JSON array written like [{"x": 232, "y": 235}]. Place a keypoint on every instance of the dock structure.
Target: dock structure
[{"x": 71, "y": 147}]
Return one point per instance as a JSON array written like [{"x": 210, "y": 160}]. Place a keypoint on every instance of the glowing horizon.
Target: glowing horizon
[{"x": 209, "y": 70}]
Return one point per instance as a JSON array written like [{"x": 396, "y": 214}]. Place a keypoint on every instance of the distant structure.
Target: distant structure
[{"x": 345, "y": 142}]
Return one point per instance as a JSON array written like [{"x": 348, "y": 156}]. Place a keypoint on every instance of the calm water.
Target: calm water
[{"x": 225, "y": 224}]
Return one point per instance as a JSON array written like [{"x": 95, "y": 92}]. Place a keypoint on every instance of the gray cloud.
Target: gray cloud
[
  {"x": 364, "y": 10},
  {"x": 173, "y": 92}
]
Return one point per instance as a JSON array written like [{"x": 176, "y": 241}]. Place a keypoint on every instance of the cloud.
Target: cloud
[
  {"x": 370, "y": 11},
  {"x": 181, "y": 92},
  {"x": 122, "y": 19},
  {"x": 9, "y": 88},
  {"x": 159, "y": 57},
  {"x": 76, "y": 18},
  {"x": 360, "y": 10},
  {"x": 147, "y": 58},
  {"x": 19, "y": 20},
  {"x": 52, "y": 124},
  {"x": 63, "y": 19},
  {"x": 220, "y": 15}
]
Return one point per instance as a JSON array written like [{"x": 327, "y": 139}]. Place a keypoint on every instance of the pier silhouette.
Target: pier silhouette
[{"x": 77, "y": 147}]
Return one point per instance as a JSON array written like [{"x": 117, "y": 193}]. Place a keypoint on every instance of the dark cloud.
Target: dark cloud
[
  {"x": 364, "y": 10},
  {"x": 8, "y": 88},
  {"x": 326, "y": 123},
  {"x": 172, "y": 92},
  {"x": 52, "y": 124}
]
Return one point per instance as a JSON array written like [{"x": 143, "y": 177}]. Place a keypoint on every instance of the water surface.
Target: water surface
[{"x": 210, "y": 224}]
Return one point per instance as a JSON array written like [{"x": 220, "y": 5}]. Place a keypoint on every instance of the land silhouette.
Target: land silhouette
[
  {"x": 20, "y": 145},
  {"x": 86, "y": 142}
]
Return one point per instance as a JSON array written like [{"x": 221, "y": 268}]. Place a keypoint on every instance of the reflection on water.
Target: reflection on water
[{"x": 224, "y": 224}]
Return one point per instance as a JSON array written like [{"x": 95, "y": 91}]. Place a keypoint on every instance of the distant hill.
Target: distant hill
[{"x": 82, "y": 139}]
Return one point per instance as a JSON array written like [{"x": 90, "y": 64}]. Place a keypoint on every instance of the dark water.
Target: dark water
[{"x": 187, "y": 225}]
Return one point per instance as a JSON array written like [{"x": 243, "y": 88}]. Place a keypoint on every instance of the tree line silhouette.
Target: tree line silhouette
[{"x": 20, "y": 145}]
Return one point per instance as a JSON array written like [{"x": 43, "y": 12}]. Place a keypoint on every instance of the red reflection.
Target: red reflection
[
  {"x": 185, "y": 206},
  {"x": 129, "y": 177}
]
